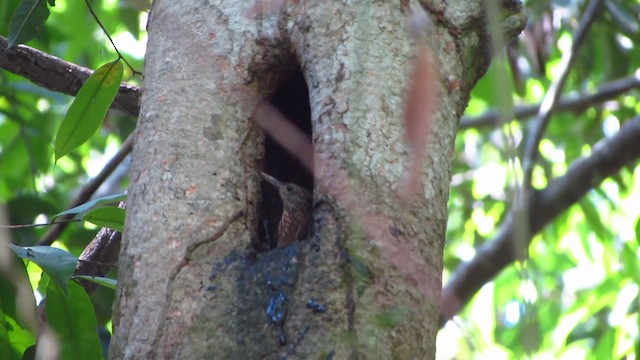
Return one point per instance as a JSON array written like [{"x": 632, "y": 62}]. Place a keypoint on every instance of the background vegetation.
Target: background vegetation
[{"x": 575, "y": 295}]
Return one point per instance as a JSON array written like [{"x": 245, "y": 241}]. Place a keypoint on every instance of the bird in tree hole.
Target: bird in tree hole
[{"x": 296, "y": 210}]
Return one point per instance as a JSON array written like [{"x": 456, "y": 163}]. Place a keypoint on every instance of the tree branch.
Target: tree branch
[
  {"x": 58, "y": 75},
  {"x": 608, "y": 157},
  {"x": 553, "y": 94},
  {"x": 573, "y": 102}
]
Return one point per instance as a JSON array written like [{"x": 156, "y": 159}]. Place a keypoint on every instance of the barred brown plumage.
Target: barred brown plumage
[{"x": 296, "y": 210}]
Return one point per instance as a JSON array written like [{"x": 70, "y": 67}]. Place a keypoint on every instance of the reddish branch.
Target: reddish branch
[{"x": 607, "y": 158}]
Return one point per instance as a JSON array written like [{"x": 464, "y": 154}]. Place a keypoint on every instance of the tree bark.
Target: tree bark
[{"x": 366, "y": 284}]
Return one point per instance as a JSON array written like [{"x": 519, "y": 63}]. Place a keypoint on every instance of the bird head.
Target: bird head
[{"x": 292, "y": 195}]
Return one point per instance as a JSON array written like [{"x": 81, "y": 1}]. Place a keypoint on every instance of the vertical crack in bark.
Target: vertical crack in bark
[
  {"x": 351, "y": 303},
  {"x": 292, "y": 100},
  {"x": 271, "y": 271}
]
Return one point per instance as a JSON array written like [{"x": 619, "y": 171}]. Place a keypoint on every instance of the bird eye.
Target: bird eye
[{"x": 288, "y": 188}]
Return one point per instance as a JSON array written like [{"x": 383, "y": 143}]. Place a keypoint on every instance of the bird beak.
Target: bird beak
[{"x": 271, "y": 180}]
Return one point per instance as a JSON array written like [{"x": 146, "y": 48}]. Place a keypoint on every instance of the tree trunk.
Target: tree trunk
[{"x": 194, "y": 281}]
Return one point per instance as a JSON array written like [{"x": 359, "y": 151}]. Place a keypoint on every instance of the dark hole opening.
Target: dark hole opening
[{"x": 291, "y": 99}]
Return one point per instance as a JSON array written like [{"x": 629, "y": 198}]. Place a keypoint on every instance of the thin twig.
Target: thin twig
[
  {"x": 104, "y": 30},
  {"x": 27, "y": 226}
]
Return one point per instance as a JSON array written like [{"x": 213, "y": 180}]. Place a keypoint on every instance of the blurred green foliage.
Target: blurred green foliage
[
  {"x": 576, "y": 297},
  {"x": 33, "y": 188}
]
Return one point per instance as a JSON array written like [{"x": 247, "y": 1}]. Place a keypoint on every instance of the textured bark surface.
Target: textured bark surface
[{"x": 191, "y": 285}]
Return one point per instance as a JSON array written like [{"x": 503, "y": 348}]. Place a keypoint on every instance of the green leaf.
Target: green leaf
[
  {"x": 57, "y": 263},
  {"x": 27, "y": 20},
  {"x": 89, "y": 108},
  {"x": 106, "y": 282},
  {"x": 6, "y": 351},
  {"x": 73, "y": 320},
  {"x": 14, "y": 339},
  {"x": 605, "y": 343},
  {"x": 110, "y": 217},
  {"x": 80, "y": 210},
  {"x": 16, "y": 297},
  {"x": 9, "y": 291},
  {"x": 595, "y": 219}
]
